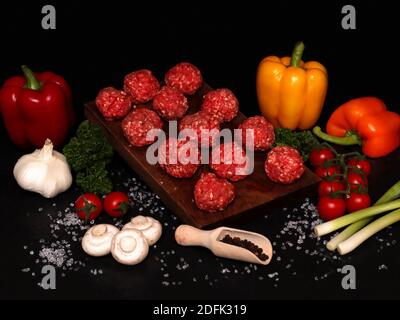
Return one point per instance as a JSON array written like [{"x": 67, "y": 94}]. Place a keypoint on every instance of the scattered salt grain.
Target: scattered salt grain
[
  {"x": 53, "y": 256},
  {"x": 225, "y": 270}
]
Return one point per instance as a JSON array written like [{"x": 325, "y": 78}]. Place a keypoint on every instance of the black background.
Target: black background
[{"x": 96, "y": 44}]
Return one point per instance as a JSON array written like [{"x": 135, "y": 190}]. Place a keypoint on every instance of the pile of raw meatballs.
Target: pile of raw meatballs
[{"x": 143, "y": 103}]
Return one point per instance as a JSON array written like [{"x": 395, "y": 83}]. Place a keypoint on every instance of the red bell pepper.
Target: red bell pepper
[
  {"x": 364, "y": 121},
  {"x": 35, "y": 108}
]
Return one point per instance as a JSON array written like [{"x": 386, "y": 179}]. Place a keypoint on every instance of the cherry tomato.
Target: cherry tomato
[
  {"x": 355, "y": 180},
  {"x": 88, "y": 206},
  {"x": 327, "y": 172},
  {"x": 116, "y": 204},
  {"x": 362, "y": 164},
  {"x": 319, "y": 156},
  {"x": 331, "y": 208},
  {"x": 326, "y": 188},
  {"x": 358, "y": 201}
]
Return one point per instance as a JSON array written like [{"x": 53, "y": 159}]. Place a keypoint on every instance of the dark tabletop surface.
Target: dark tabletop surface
[{"x": 94, "y": 48}]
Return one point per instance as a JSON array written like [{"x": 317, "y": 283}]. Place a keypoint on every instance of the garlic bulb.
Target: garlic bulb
[{"x": 44, "y": 171}]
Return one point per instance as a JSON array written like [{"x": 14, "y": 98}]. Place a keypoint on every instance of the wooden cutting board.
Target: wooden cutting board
[{"x": 254, "y": 195}]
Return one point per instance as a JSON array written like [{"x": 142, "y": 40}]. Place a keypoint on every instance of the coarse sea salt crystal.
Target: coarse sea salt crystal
[{"x": 53, "y": 256}]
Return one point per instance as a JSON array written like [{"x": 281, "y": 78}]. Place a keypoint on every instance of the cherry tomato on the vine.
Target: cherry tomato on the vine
[
  {"x": 358, "y": 201},
  {"x": 319, "y": 156},
  {"x": 362, "y": 164},
  {"x": 323, "y": 172},
  {"x": 355, "y": 180},
  {"x": 331, "y": 208},
  {"x": 326, "y": 188}
]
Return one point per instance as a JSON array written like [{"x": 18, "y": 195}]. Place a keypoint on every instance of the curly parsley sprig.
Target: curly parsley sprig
[{"x": 88, "y": 155}]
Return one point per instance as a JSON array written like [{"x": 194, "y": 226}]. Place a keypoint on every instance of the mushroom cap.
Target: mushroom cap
[
  {"x": 129, "y": 247},
  {"x": 150, "y": 227},
  {"x": 97, "y": 240}
]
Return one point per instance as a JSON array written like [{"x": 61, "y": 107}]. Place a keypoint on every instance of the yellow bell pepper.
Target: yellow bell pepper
[{"x": 291, "y": 93}]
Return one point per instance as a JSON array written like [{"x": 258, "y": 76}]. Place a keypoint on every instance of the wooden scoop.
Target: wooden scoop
[{"x": 189, "y": 236}]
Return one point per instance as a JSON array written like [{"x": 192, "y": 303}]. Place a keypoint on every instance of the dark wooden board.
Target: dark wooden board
[{"x": 255, "y": 194}]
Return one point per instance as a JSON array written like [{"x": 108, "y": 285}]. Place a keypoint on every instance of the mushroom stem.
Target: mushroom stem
[
  {"x": 99, "y": 230},
  {"x": 128, "y": 244}
]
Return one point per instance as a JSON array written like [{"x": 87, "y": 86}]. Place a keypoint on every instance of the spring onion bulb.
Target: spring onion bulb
[
  {"x": 391, "y": 194},
  {"x": 359, "y": 237},
  {"x": 347, "y": 233}
]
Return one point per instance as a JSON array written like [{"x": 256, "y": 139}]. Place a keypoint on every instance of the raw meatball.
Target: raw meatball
[
  {"x": 113, "y": 104},
  {"x": 221, "y": 104},
  {"x": 232, "y": 158},
  {"x": 213, "y": 194},
  {"x": 284, "y": 165},
  {"x": 199, "y": 122},
  {"x": 179, "y": 159},
  {"x": 141, "y": 85},
  {"x": 137, "y": 123},
  {"x": 184, "y": 77},
  {"x": 264, "y": 135},
  {"x": 170, "y": 104}
]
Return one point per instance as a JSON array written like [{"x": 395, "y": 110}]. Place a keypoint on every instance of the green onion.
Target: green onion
[
  {"x": 338, "y": 223},
  {"x": 347, "y": 233},
  {"x": 391, "y": 194},
  {"x": 358, "y": 238}
]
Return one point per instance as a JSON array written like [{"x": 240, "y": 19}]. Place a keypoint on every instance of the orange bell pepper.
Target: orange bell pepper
[
  {"x": 364, "y": 121},
  {"x": 291, "y": 93}
]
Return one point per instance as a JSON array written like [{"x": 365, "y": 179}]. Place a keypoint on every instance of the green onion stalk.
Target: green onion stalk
[
  {"x": 359, "y": 237},
  {"x": 343, "y": 221},
  {"x": 391, "y": 194}
]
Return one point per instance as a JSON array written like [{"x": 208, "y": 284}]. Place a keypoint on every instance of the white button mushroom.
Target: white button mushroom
[
  {"x": 97, "y": 240},
  {"x": 150, "y": 227},
  {"x": 129, "y": 247}
]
